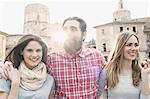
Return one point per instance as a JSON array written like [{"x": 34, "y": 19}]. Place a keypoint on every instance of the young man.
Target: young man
[{"x": 76, "y": 70}]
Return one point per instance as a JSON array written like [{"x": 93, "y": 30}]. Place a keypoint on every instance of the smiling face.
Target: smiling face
[
  {"x": 32, "y": 54},
  {"x": 131, "y": 48}
]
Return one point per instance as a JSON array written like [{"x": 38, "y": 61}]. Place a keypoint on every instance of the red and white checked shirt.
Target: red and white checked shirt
[{"x": 76, "y": 77}]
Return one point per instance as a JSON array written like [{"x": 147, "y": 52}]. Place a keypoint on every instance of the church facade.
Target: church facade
[{"x": 106, "y": 34}]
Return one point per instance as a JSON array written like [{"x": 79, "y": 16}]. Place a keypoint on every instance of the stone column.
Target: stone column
[{"x": 36, "y": 19}]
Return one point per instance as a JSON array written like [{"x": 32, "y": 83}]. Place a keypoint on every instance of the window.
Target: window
[
  {"x": 127, "y": 28},
  {"x": 94, "y": 47},
  {"x": 106, "y": 58},
  {"x": 121, "y": 29},
  {"x": 102, "y": 31},
  {"x": 134, "y": 29},
  {"x": 104, "y": 47}
]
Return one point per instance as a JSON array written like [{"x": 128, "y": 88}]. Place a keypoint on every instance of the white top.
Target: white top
[
  {"x": 42, "y": 93},
  {"x": 124, "y": 89}
]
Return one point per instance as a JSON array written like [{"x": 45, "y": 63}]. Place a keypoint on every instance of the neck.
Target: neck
[
  {"x": 126, "y": 67},
  {"x": 73, "y": 52}
]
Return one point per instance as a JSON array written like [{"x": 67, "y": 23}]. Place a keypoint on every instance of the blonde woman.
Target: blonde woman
[
  {"x": 27, "y": 73},
  {"x": 124, "y": 76}
]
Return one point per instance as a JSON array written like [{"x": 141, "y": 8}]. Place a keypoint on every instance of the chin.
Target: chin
[
  {"x": 132, "y": 59},
  {"x": 35, "y": 64}
]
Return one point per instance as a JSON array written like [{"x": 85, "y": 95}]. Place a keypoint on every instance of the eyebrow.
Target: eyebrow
[
  {"x": 70, "y": 27},
  {"x": 73, "y": 27},
  {"x": 131, "y": 43},
  {"x": 32, "y": 49}
]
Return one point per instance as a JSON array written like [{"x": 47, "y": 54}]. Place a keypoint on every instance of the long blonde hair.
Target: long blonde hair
[{"x": 114, "y": 66}]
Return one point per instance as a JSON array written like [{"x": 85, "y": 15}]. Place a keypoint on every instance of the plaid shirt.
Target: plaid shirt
[{"x": 76, "y": 77}]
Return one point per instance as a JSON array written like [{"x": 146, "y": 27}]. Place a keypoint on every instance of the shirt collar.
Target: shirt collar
[{"x": 80, "y": 53}]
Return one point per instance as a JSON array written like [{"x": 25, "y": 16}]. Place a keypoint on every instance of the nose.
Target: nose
[
  {"x": 35, "y": 54},
  {"x": 134, "y": 47},
  {"x": 68, "y": 33}
]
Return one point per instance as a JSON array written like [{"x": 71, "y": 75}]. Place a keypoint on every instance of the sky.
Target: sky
[{"x": 94, "y": 12}]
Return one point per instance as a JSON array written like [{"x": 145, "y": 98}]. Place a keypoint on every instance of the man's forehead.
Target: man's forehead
[{"x": 71, "y": 23}]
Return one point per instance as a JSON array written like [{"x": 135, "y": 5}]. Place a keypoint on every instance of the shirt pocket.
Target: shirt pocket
[{"x": 91, "y": 75}]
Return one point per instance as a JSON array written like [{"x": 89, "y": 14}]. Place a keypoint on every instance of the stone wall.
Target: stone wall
[{"x": 2, "y": 45}]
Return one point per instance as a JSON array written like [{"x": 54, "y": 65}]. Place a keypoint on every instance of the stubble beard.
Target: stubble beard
[{"x": 72, "y": 46}]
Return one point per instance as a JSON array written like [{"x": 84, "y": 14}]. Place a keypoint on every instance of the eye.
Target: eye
[
  {"x": 136, "y": 44},
  {"x": 73, "y": 29},
  {"x": 29, "y": 50},
  {"x": 129, "y": 44},
  {"x": 38, "y": 50}
]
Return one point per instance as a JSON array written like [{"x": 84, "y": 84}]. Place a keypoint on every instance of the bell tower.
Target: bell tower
[
  {"x": 121, "y": 14},
  {"x": 36, "y": 19}
]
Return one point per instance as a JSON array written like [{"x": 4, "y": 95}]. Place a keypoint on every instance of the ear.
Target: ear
[{"x": 83, "y": 35}]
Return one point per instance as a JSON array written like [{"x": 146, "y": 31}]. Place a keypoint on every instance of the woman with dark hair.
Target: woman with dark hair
[
  {"x": 27, "y": 74},
  {"x": 124, "y": 75}
]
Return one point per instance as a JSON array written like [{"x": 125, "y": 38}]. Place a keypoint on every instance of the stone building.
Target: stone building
[
  {"x": 2, "y": 44},
  {"x": 36, "y": 21},
  {"x": 106, "y": 33}
]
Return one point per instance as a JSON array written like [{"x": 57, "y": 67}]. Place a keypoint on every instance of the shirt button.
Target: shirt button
[{"x": 79, "y": 73}]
